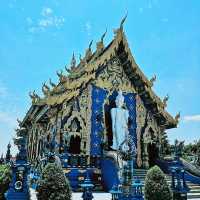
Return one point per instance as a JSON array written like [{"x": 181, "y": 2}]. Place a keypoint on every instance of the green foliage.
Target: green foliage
[
  {"x": 165, "y": 146},
  {"x": 156, "y": 187},
  {"x": 5, "y": 178},
  {"x": 192, "y": 148},
  {"x": 53, "y": 184}
]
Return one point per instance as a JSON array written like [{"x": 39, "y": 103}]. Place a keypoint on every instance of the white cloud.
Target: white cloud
[
  {"x": 88, "y": 28},
  {"x": 47, "y": 19},
  {"x": 46, "y": 12},
  {"x": 193, "y": 118}
]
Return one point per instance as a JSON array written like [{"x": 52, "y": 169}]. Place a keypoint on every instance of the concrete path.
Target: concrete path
[{"x": 77, "y": 196}]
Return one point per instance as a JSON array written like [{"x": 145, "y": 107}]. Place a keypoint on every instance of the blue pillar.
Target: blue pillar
[{"x": 18, "y": 189}]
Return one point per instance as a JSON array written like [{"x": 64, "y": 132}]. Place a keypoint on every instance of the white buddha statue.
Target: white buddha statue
[{"x": 119, "y": 117}]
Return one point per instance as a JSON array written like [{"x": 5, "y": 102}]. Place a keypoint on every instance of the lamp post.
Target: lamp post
[
  {"x": 137, "y": 189},
  {"x": 130, "y": 189},
  {"x": 87, "y": 188},
  {"x": 115, "y": 192}
]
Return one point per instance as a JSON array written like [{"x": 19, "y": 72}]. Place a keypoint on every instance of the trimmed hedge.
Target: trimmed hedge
[
  {"x": 156, "y": 186},
  {"x": 53, "y": 184}
]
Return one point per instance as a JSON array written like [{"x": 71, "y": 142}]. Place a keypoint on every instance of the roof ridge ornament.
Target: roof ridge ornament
[
  {"x": 103, "y": 36},
  {"x": 152, "y": 80},
  {"x": 166, "y": 98},
  {"x": 62, "y": 77},
  {"x": 51, "y": 83},
  {"x": 122, "y": 21},
  {"x": 45, "y": 89},
  {"x": 177, "y": 117},
  {"x": 72, "y": 65},
  {"x": 73, "y": 61},
  {"x": 100, "y": 44},
  {"x": 19, "y": 122},
  {"x": 88, "y": 52},
  {"x": 34, "y": 96}
]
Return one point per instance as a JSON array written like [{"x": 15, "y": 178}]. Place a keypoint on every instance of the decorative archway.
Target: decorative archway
[
  {"x": 150, "y": 151},
  {"x": 74, "y": 131}
]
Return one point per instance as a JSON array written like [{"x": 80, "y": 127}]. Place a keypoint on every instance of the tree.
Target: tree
[
  {"x": 156, "y": 187},
  {"x": 53, "y": 184},
  {"x": 5, "y": 178}
]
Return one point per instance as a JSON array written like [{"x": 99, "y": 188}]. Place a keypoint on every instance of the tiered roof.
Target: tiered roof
[{"x": 79, "y": 76}]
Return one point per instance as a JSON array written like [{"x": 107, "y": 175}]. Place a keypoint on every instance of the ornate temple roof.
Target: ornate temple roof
[{"x": 77, "y": 78}]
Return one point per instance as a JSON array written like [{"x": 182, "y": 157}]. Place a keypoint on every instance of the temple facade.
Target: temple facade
[{"x": 73, "y": 116}]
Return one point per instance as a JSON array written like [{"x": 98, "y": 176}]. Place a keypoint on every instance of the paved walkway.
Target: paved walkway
[{"x": 77, "y": 196}]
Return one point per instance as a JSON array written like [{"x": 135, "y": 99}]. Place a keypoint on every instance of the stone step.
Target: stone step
[{"x": 193, "y": 195}]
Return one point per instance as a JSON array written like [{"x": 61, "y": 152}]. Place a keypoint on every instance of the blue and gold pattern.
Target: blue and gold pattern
[{"x": 99, "y": 96}]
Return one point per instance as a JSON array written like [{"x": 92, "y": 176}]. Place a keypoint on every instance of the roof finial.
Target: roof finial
[
  {"x": 102, "y": 37},
  {"x": 166, "y": 98},
  {"x": 177, "y": 117},
  {"x": 152, "y": 80},
  {"x": 45, "y": 89},
  {"x": 123, "y": 20},
  {"x": 100, "y": 45},
  {"x": 88, "y": 52},
  {"x": 61, "y": 76},
  {"x": 90, "y": 44},
  {"x": 52, "y": 84},
  {"x": 19, "y": 122},
  {"x": 34, "y": 96}
]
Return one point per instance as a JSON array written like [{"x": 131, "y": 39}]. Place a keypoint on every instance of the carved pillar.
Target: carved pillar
[
  {"x": 139, "y": 152},
  {"x": 145, "y": 155},
  {"x": 140, "y": 120}
]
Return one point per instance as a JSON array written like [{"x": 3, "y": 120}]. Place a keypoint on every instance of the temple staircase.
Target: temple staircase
[{"x": 194, "y": 192}]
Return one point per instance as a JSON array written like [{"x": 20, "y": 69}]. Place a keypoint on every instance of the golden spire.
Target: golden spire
[
  {"x": 73, "y": 61},
  {"x": 72, "y": 64}
]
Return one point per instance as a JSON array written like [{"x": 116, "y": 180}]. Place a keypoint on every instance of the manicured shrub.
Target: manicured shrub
[
  {"x": 156, "y": 186},
  {"x": 5, "y": 178},
  {"x": 53, "y": 184}
]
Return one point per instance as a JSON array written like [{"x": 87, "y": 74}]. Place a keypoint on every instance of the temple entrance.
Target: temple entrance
[
  {"x": 75, "y": 145},
  {"x": 152, "y": 153}
]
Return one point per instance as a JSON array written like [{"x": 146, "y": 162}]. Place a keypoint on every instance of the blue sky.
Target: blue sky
[{"x": 37, "y": 38}]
